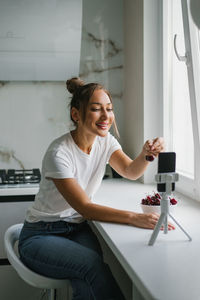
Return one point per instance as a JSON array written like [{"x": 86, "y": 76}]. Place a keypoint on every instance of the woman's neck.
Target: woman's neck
[{"x": 83, "y": 141}]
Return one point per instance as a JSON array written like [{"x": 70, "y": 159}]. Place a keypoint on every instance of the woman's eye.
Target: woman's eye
[
  {"x": 95, "y": 109},
  {"x": 99, "y": 109}
]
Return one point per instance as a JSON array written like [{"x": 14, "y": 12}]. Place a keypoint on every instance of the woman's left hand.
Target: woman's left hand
[{"x": 154, "y": 147}]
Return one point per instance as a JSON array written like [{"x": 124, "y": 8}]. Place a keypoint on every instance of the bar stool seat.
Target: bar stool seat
[{"x": 36, "y": 280}]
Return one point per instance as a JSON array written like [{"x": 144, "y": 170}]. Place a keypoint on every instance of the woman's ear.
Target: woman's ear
[{"x": 75, "y": 114}]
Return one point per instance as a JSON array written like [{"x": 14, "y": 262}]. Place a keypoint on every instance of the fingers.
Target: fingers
[
  {"x": 158, "y": 146},
  {"x": 154, "y": 147},
  {"x": 152, "y": 219},
  {"x": 155, "y": 220},
  {"x": 147, "y": 147},
  {"x": 171, "y": 226},
  {"x": 149, "y": 221}
]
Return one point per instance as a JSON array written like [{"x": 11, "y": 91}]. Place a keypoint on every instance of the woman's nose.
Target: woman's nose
[{"x": 104, "y": 113}]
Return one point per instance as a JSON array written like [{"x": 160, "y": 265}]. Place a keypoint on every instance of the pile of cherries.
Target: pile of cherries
[{"x": 155, "y": 200}]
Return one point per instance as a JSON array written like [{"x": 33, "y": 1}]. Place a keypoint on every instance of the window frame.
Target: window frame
[{"x": 186, "y": 185}]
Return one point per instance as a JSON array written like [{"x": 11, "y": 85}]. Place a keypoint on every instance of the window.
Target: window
[
  {"x": 181, "y": 92},
  {"x": 182, "y": 134}
]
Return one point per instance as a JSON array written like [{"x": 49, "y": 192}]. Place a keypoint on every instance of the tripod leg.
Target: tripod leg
[
  {"x": 189, "y": 237},
  {"x": 157, "y": 229},
  {"x": 166, "y": 224}
]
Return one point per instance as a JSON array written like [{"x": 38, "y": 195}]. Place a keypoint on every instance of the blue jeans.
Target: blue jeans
[{"x": 71, "y": 251}]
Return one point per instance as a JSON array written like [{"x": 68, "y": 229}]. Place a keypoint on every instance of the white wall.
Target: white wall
[
  {"x": 133, "y": 79},
  {"x": 143, "y": 77},
  {"x": 33, "y": 113}
]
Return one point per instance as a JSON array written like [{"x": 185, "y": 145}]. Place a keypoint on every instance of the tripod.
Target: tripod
[{"x": 168, "y": 179}]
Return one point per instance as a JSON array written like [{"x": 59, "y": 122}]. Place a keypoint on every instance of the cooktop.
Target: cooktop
[{"x": 12, "y": 178}]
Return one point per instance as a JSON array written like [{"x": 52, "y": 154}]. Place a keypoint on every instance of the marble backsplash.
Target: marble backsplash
[{"x": 32, "y": 114}]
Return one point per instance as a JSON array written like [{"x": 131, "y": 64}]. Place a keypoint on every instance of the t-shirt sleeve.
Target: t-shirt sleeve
[
  {"x": 113, "y": 145},
  {"x": 57, "y": 165}
]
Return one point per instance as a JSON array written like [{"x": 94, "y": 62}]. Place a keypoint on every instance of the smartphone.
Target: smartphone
[{"x": 166, "y": 164}]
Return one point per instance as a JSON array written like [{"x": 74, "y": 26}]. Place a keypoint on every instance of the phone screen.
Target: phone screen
[{"x": 166, "y": 164}]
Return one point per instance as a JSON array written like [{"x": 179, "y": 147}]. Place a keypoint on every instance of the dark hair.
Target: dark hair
[{"x": 81, "y": 94}]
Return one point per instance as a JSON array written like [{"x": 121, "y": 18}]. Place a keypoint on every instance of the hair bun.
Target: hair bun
[{"x": 73, "y": 84}]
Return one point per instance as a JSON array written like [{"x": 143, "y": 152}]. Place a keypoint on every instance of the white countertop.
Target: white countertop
[
  {"x": 19, "y": 190},
  {"x": 168, "y": 270}
]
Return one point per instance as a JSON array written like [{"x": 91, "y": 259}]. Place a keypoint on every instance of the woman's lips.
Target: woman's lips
[{"x": 103, "y": 126}]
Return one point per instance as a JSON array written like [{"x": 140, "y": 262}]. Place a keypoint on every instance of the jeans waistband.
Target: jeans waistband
[{"x": 41, "y": 225}]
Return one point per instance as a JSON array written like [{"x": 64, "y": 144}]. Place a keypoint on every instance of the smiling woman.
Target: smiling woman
[{"x": 56, "y": 225}]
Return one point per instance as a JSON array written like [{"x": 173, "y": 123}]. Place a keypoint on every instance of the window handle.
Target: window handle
[{"x": 180, "y": 58}]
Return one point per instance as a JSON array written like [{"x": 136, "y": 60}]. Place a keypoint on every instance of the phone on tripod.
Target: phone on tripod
[{"x": 166, "y": 164}]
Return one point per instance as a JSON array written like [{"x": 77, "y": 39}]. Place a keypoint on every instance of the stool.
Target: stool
[{"x": 10, "y": 238}]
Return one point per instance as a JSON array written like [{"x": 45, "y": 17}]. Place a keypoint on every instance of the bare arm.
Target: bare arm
[
  {"x": 78, "y": 199},
  {"x": 126, "y": 167},
  {"x": 133, "y": 169}
]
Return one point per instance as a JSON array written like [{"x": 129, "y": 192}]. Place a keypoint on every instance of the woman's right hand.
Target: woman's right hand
[{"x": 148, "y": 221}]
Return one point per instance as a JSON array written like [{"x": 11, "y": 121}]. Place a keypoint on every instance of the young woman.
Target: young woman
[{"x": 56, "y": 240}]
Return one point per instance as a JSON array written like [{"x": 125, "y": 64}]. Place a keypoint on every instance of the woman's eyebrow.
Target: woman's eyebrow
[{"x": 99, "y": 103}]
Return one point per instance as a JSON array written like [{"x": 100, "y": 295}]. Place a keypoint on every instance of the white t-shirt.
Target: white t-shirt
[{"x": 64, "y": 159}]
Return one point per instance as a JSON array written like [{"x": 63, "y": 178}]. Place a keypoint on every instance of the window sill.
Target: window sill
[{"x": 145, "y": 264}]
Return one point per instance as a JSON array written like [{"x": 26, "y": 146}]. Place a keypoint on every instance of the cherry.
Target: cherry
[
  {"x": 155, "y": 200},
  {"x": 173, "y": 201},
  {"x": 149, "y": 157}
]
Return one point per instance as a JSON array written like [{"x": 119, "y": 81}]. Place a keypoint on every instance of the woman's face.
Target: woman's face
[{"x": 99, "y": 114}]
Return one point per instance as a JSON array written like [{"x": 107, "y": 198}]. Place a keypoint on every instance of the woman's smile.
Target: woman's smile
[{"x": 102, "y": 125}]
